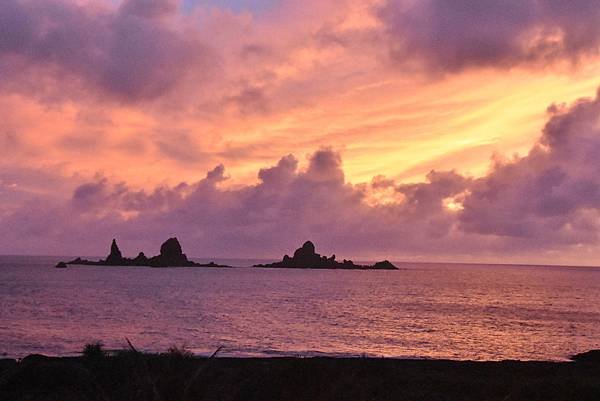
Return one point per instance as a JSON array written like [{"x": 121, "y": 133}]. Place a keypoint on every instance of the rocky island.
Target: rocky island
[
  {"x": 171, "y": 255},
  {"x": 307, "y": 258}
]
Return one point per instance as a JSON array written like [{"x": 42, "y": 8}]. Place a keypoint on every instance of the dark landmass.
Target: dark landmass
[
  {"x": 592, "y": 356},
  {"x": 179, "y": 376},
  {"x": 307, "y": 258},
  {"x": 171, "y": 255}
]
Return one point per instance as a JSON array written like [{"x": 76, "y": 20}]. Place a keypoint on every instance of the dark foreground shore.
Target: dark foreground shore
[{"x": 178, "y": 376}]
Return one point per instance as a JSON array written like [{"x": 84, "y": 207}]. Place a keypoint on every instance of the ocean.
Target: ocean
[{"x": 451, "y": 311}]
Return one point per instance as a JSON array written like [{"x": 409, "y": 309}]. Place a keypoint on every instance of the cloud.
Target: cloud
[
  {"x": 284, "y": 82},
  {"x": 285, "y": 207},
  {"x": 149, "y": 8},
  {"x": 281, "y": 174},
  {"x": 425, "y": 198},
  {"x": 126, "y": 53},
  {"x": 546, "y": 201},
  {"x": 147, "y": 50},
  {"x": 250, "y": 101},
  {"x": 449, "y": 36},
  {"x": 179, "y": 146},
  {"x": 551, "y": 195}
]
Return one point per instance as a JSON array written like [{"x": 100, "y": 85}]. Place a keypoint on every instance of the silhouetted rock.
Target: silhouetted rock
[
  {"x": 171, "y": 255},
  {"x": 61, "y": 265},
  {"x": 384, "y": 265},
  {"x": 307, "y": 251},
  {"x": 307, "y": 258},
  {"x": 115, "y": 258},
  {"x": 140, "y": 260},
  {"x": 171, "y": 249}
]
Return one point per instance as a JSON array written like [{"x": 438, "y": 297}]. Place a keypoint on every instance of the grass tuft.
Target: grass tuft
[
  {"x": 179, "y": 352},
  {"x": 94, "y": 351}
]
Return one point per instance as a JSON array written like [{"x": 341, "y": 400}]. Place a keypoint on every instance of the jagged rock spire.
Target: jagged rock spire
[{"x": 115, "y": 256}]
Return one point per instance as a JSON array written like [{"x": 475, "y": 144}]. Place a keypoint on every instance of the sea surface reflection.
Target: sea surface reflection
[{"x": 478, "y": 312}]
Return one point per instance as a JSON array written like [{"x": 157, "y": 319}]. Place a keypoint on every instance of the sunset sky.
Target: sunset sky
[{"x": 430, "y": 130}]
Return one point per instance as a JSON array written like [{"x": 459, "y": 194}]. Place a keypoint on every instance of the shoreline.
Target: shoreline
[
  {"x": 178, "y": 375},
  {"x": 268, "y": 355}
]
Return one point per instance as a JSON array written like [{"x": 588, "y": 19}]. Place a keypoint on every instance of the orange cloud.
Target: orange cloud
[{"x": 152, "y": 97}]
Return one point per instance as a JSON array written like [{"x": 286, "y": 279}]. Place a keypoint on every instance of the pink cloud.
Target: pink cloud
[
  {"x": 144, "y": 87},
  {"x": 545, "y": 201},
  {"x": 551, "y": 195}
]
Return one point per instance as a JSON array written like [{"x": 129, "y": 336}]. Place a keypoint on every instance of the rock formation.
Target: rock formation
[
  {"x": 141, "y": 260},
  {"x": 307, "y": 258},
  {"x": 115, "y": 258},
  {"x": 171, "y": 255},
  {"x": 384, "y": 265}
]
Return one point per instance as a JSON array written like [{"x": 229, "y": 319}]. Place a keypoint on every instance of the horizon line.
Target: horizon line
[{"x": 357, "y": 261}]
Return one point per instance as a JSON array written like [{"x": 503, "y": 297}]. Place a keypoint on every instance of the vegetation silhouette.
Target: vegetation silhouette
[{"x": 178, "y": 375}]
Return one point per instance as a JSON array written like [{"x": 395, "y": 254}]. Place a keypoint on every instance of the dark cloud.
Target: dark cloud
[
  {"x": 325, "y": 166},
  {"x": 281, "y": 174},
  {"x": 100, "y": 196},
  {"x": 450, "y": 35},
  {"x": 128, "y": 54},
  {"x": 427, "y": 198}
]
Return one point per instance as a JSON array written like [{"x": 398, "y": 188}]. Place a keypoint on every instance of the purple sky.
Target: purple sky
[{"x": 407, "y": 130}]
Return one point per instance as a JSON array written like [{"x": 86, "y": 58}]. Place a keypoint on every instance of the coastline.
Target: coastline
[{"x": 177, "y": 375}]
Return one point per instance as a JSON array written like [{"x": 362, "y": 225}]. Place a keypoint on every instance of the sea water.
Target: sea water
[{"x": 455, "y": 311}]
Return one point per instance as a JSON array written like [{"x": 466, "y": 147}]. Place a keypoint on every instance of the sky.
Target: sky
[{"x": 426, "y": 130}]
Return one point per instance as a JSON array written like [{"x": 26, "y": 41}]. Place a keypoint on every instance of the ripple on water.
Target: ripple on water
[{"x": 431, "y": 311}]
